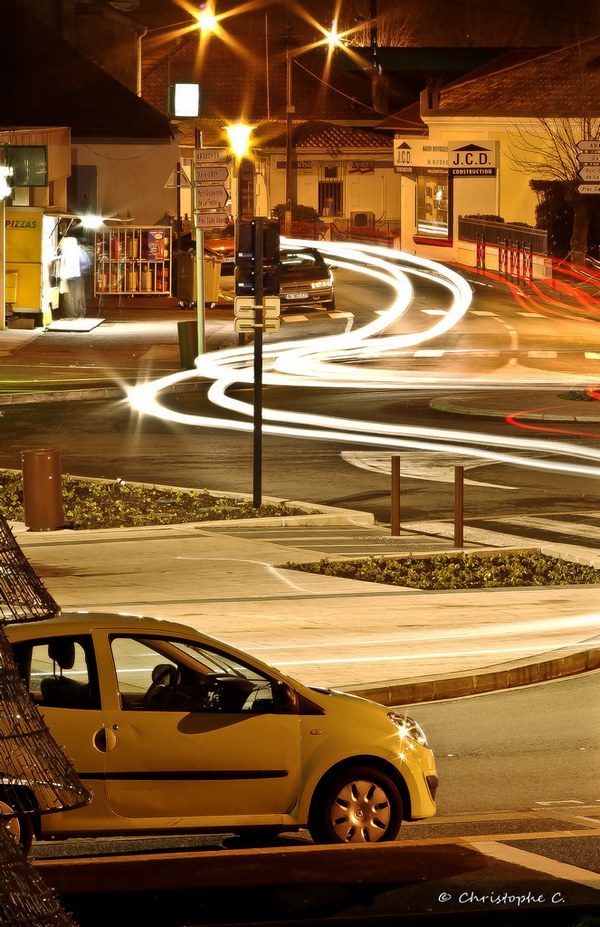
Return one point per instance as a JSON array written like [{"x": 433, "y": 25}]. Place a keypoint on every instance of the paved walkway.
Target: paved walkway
[{"x": 393, "y": 644}]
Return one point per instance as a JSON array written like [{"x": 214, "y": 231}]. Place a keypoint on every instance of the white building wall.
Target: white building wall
[
  {"x": 378, "y": 192},
  {"x": 132, "y": 178}
]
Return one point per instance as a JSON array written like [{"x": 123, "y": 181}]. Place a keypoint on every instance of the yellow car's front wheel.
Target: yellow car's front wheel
[{"x": 356, "y": 805}]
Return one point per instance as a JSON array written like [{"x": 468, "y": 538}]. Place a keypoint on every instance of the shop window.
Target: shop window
[
  {"x": 432, "y": 205},
  {"x": 331, "y": 198}
]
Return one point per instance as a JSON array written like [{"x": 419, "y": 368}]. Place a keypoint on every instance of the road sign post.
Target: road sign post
[
  {"x": 210, "y": 197},
  {"x": 258, "y": 313}
]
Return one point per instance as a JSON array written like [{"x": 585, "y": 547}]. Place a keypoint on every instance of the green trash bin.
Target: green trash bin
[{"x": 187, "y": 333}]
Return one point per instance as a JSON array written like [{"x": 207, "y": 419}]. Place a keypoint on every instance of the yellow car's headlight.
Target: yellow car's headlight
[{"x": 408, "y": 727}]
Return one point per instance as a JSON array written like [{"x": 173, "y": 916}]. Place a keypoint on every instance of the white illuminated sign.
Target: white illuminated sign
[
  {"x": 186, "y": 100},
  {"x": 5, "y": 187}
]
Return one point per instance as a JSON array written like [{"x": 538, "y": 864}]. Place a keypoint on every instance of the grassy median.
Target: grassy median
[
  {"x": 458, "y": 571},
  {"x": 118, "y": 504}
]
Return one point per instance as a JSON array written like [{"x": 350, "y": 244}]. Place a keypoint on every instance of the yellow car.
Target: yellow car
[{"x": 175, "y": 731}]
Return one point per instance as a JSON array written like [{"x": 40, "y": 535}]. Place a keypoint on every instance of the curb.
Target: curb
[
  {"x": 85, "y": 394},
  {"x": 493, "y": 679},
  {"x": 442, "y": 405}
]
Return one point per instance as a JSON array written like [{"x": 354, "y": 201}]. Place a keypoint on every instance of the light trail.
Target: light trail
[{"x": 316, "y": 363}]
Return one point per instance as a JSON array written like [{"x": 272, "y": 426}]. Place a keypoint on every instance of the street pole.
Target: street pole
[
  {"x": 289, "y": 110},
  {"x": 199, "y": 257},
  {"x": 258, "y": 364}
]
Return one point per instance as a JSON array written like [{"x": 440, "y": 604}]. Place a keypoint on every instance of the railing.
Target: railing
[
  {"x": 495, "y": 233},
  {"x": 515, "y": 244},
  {"x": 382, "y": 233}
]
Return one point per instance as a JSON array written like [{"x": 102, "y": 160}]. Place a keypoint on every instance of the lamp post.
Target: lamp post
[
  {"x": 239, "y": 138},
  {"x": 289, "y": 112},
  {"x": 332, "y": 39}
]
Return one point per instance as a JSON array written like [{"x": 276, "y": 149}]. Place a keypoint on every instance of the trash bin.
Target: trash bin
[
  {"x": 187, "y": 333},
  {"x": 185, "y": 278},
  {"x": 212, "y": 279},
  {"x": 42, "y": 489}
]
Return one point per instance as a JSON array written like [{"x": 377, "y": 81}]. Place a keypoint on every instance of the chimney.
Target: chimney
[
  {"x": 380, "y": 90},
  {"x": 432, "y": 95}
]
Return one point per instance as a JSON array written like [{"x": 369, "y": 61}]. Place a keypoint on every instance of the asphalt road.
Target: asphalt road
[
  {"x": 518, "y": 750},
  {"x": 105, "y": 439}
]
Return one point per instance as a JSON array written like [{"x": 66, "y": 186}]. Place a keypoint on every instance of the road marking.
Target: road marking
[
  {"x": 492, "y": 315},
  {"x": 551, "y": 354},
  {"x": 585, "y": 529},
  {"x": 435, "y": 468},
  {"x": 561, "y": 801},
  {"x": 591, "y": 355},
  {"x": 538, "y": 863}
]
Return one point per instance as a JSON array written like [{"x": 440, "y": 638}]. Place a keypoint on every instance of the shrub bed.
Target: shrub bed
[
  {"x": 458, "y": 571},
  {"x": 117, "y": 504}
]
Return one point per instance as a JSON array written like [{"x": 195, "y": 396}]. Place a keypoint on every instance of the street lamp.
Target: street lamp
[{"x": 332, "y": 39}]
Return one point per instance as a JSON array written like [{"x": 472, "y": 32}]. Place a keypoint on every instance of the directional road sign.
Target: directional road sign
[
  {"x": 214, "y": 196},
  {"x": 590, "y": 172},
  {"x": 589, "y": 157},
  {"x": 589, "y": 145},
  {"x": 215, "y": 174},
  {"x": 249, "y": 325},
  {"x": 244, "y": 307},
  {"x": 210, "y": 154},
  {"x": 212, "y": 220},
  {"x": 588, "y": 188}
]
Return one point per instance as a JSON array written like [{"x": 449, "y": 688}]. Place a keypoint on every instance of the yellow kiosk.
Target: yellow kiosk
[{"x": 31, "y": 247}]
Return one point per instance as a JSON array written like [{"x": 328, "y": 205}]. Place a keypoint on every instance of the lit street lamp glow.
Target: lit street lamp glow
[{"x": 239, "y": 138}]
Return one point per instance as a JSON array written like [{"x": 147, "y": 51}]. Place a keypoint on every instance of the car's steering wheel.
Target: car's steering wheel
[{"x": 165, "y": 677}]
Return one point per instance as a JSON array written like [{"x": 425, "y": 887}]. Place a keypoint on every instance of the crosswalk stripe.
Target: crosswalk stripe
[{"x": 583, "y": 529}]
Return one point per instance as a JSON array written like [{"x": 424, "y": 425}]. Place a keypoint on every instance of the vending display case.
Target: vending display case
[{"x": 133, "y": 261}]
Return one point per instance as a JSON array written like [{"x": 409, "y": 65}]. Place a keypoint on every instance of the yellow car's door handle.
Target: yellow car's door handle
[{"x": 105, "y": 740}]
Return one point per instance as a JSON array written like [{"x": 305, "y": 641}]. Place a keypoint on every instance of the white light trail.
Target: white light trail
[{"x": 323, "y": 363}]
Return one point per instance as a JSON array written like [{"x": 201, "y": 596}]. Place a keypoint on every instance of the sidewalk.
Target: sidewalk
[{"x": 419, "y": 645}]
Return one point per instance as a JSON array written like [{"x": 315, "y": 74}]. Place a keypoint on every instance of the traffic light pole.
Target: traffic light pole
[
  {"x": 256, "y": 309},
  {"x": 258, "y": 366}
]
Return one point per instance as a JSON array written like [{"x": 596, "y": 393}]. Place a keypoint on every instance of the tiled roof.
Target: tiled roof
[
  {"x": 319, "y": 136},
  {"x": 49, "y": 83},
  {"x": 562, "y": 83},
  {"x": 408, "y": 120}
]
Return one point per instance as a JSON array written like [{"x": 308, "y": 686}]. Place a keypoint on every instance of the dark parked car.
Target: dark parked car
[{"x": 306, "y": 278}]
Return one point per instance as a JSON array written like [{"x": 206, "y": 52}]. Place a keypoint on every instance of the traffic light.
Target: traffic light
[{"x": 257, "y": 257}]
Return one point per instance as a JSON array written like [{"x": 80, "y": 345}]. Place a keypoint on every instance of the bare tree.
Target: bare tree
[
  {"x": 358, "y": 19},
  {"x": 548, "y": 151}
]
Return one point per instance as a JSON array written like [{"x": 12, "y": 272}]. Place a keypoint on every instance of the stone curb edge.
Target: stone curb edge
[
  {"x": 451, "y": 408},
  {"x": 86, "y": 395},
  {"x": 480, "y": 682}
]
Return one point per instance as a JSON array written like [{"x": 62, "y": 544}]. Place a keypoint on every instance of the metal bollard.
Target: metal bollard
[
  {"x": 42, "y": 489},
  {"x": 187, "y": 333}
]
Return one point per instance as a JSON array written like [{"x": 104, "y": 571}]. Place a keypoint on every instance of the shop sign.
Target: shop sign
[
  {"x": 296, "y": 165},
  {"x": 472, "y": 159},
  {"x": 419, "y": 152},
  {"x": 23, "y": 234},
  {"x": 362, "y": 167}
]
